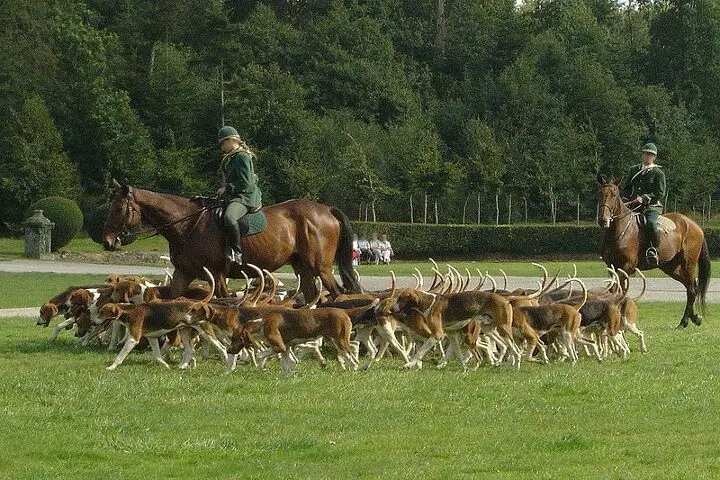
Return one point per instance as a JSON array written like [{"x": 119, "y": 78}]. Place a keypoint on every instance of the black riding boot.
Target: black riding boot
[{"x": 233, "y": 252}]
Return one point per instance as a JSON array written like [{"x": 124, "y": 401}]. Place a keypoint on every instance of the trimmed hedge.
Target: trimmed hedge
[
  {"x": 66, "y": 215},
  {"x": 414, "y": 241}
]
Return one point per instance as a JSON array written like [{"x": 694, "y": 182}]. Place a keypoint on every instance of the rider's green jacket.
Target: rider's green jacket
[
  {"x": 241, "y": 182},
  {"x": 647, "y": 183}
]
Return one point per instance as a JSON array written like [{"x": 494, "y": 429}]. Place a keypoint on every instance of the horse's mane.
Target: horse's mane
[{"x": 167, "y": 195}]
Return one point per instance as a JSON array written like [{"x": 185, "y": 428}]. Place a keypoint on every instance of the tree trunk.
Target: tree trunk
[
  {"x": 526, "y": 209},
  {"x": 437, "y": 218},
  {"x": 553, "y": 205},
  {"x": 425, "y": 209},
  {"x": 366, "y": 212},
  {"x": 373, "y": 211},
  {"x": 497, "y": 208},
  {"x": 412, "y": 212},
  {"x": 597, "y": 213},
  {"x": 509, "y": 209},
  {"x": 467, "y": 200},
  {"x": 709, "y": 206},
  {"x": 478, "y": 205},
  {"x": 578, "y": 209},
  {"x": 360, "y": 213}
]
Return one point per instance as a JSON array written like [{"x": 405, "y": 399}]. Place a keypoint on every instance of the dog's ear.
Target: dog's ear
[
  {"x": 86, "y": 298},
  {"x": 48, "y": 309}
]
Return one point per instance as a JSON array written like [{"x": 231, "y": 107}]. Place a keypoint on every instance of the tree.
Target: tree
[{"x": 36, "y": 166}]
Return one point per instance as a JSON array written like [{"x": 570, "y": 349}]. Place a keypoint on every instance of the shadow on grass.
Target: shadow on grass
[{"x": 66, "y": 346}]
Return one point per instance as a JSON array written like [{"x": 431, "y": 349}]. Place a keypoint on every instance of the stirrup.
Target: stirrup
[
  {"x": 232, "y": 255},
  {"x": 652, "y": 257}
]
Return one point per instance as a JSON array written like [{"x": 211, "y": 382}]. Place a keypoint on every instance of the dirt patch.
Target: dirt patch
[{"x": 115, "y": 258}]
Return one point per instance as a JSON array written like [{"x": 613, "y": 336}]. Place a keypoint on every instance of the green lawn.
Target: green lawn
[
  {"x": 14, "y": 247},
  {"x": 652, "y": 416},
  {"x": 32, "y": 289}
]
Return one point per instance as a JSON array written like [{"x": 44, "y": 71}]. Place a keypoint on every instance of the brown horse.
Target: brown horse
[
  {"x": 307, "y": 235},
  {"x": 683, "y": 252}
]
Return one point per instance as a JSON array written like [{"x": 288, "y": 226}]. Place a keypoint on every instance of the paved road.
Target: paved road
[{"x": 658, "y": 290}]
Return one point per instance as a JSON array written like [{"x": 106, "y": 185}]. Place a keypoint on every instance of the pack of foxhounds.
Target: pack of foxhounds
[{"x": 456, "y": 317}]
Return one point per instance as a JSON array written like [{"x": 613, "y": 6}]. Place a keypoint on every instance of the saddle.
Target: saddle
[
  {"x": 252, "y": 223},
  {"x": 665, "y": 225}
]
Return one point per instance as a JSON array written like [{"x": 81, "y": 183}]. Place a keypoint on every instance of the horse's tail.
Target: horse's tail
[
  {"x": 703, "y": 275},
  {"x": 343, "y": 254}
]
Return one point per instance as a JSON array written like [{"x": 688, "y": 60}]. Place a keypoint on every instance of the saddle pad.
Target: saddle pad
[
  {"x": 252, "y": 223},
  {"x": 666, "y": 224}
]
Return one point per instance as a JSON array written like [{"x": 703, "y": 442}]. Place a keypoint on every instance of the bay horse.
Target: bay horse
[
  {"x": 683, "y": 252},
  {"x": 307, "y": 235}
]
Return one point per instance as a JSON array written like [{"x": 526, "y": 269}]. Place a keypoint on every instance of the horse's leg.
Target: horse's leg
[
  {"x": 221, "y": 288},
  {"x": 307, "y": 283},
  {"x": 329, "y": 282},
  {"x": 686, "y": 275},
  {"x": 179, "y": 283}
]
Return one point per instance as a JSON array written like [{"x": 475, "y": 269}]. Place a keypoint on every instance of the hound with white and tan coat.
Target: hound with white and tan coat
[
  {"x": 283, "y": 328},
  {"x": 563, "y": 319},
  {"x": 440, "y": 313},
  {"x": 152, "y": 320}
]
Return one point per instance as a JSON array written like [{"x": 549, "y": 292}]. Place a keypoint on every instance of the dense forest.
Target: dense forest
[{"x": 450, "y": 111}]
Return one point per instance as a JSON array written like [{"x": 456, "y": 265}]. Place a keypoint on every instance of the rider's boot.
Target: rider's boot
[
  {"x": 233, "y": 252},
  {"x": 651, "y": 254}
]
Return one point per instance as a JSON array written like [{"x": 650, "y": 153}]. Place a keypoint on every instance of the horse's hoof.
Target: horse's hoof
[
  {"x": 683, "y": 324},
  {"x": 696, "y": 319}
]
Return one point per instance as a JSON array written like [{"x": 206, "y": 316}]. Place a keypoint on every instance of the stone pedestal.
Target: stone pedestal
[{"x": 38, "y": 234}]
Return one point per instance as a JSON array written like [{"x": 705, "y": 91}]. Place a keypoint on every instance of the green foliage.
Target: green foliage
[
  {"x": 66, "y": 215},
  {"x": 471, "y": 241},
  {"x": 36, "y": 165},
  {"x": 362, "y": 103}
]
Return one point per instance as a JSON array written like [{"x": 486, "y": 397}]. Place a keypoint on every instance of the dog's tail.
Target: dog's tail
[{"x": 579, "y": 306}]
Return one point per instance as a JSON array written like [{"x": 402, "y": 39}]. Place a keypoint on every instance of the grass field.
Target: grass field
[{"x": 651, "y": 416}]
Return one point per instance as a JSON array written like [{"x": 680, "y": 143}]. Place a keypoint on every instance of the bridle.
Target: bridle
[
  {"x": 130, "y": 212},
  {"x": 611, "y": 210},
  {"x": 124, "y": 229}
]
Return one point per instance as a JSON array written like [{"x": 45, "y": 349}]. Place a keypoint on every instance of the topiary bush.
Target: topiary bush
[
  {"x": 66, "y": 215},
  {"x": 95, "y": 222}
]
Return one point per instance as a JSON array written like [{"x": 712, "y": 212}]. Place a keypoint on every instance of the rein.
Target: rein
[
  {"x": 204, "y": 207},
  {"x": 613, "y": 217}
]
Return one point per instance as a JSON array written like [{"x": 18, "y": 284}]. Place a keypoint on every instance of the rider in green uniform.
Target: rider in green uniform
[
  {"x": 240, "y": 189},
  {"x": 644, "y": 187}
]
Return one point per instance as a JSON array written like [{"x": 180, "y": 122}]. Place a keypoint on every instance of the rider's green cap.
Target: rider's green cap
[
  {"x": 650, "y": 148},
  {"x": 227, "y": 132}
]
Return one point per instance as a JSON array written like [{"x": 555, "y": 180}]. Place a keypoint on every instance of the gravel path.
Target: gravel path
[{"x": 658, "y": 289}]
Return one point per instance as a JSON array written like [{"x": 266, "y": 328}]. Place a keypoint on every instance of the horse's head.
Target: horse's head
[
  {"x": 609, "y": 201},
  {"x": 124, "y": 214}
]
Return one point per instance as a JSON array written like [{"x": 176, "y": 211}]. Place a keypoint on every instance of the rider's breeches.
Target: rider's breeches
[{"x": 234, "y": 212}]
